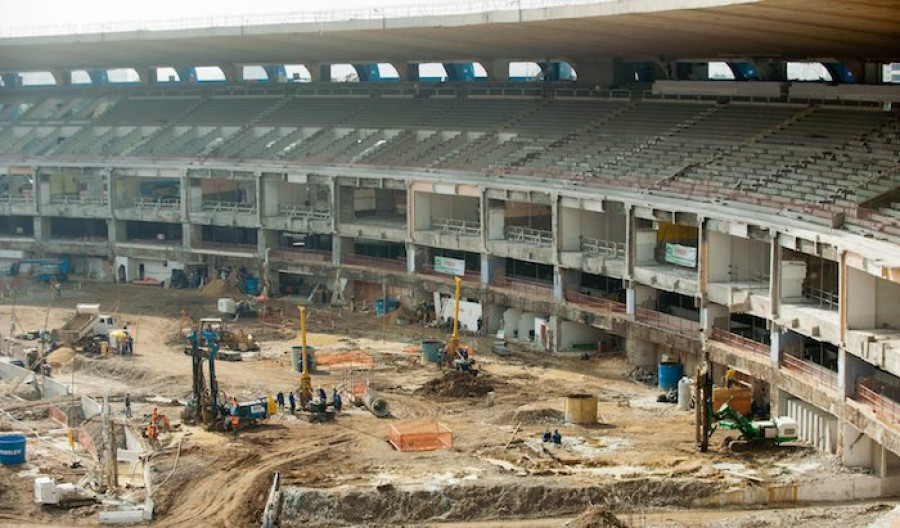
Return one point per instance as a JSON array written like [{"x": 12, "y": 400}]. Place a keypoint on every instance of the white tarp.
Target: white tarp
[{"x": 469, "y": 312}]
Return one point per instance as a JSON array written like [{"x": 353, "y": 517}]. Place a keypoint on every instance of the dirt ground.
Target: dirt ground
[{"x": 639, "y": 461}]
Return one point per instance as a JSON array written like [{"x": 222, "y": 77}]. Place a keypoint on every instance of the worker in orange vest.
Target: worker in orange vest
[{"x": 235, "y": 420}]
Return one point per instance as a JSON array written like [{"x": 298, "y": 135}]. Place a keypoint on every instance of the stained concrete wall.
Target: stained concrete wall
[{"x": 571, "y": 334}]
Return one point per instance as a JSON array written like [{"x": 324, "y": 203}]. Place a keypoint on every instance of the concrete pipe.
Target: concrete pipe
[{"x": 376, "y": 404}]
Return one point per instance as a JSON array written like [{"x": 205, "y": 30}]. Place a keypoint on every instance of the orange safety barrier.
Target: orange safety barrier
[{"x": 420, "y": 436}]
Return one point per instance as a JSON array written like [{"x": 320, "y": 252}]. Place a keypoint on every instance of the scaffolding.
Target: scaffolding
[{"x": 420, "y": 436}]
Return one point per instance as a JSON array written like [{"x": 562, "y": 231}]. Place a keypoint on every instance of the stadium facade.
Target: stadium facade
[{"x": 755, "y": 222}]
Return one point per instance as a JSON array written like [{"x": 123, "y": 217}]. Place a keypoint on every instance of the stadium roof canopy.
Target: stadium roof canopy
[{"x": 866, "y": 30}]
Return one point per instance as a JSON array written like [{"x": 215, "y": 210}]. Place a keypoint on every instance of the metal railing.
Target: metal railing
[
  {"x": 309, "y": 214},
  {"x": 527, "y": 235},
  {"x": 724, "y": 336},
  {"x": 524, "y": 286},
  {"x": 605, "y": 248},
  {"x": 311, "y": 255},
  {"x": 74, "y": 199},
  {"x": 157, "y": 203},
  {"x": 224, "y": 246},
  {"x": 594, "y": 302},
  {"x": 684, "y": 327},
  {"x": 229, "y": 207},
  {"x": 17, "y": 200},
  {"x": 459, "y": 227},
  {"x": 374, "y": 262},
  {"x": 817, "y": 373},
  {"x": 885, "y": 408},
  {"x": 823, "y": 298}
]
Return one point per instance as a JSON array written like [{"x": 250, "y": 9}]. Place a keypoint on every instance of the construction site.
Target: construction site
[
  {"x": 458, "y": 446},
  {"x": 545, "y": 263}
]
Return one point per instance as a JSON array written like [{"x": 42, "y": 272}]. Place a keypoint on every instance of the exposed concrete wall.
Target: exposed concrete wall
[
  {"x": 887, "y": 308},
  {"x": 861, "y": 300},
  {"x": 576, "y": 334}
]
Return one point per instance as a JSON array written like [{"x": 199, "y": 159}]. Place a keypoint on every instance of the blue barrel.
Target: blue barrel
[
  {"x": 431, "y": 351},
  {"x": 669, "y": 374},
  {"x": 12, "y": 449},
  {"x": 297, "y": 353},
  {"x": 251, "y": 285}
]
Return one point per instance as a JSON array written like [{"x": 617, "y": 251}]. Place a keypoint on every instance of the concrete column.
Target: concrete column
[
  {"x": 706, "y": 322},
  {"x": 233, "y": 73},
  {"x": 630, "y": 244},
  {"x": 258, "y": 191},
  {"x": 115, "y": 231},
  {"x": 485, "y": 269},
  {"x": 640, "y": 352},
  {"x": 559, "y": 283},
  {"x": 109, "y": 179},
  {"x": 147, "y": 76},
  {"x": 842, "y": 298},
  {"x": 187, "y": 235},
  {"x": 411, "y": 250},
  {"x": 497, "y": 70},
  {"x": 844, "y": 384},
  {"x": 267, "y": 238},
  {"x": 774, "y": 275},
  {"x": 771, "y": 70},
  {"x": 185, "y": 188},
  {"x": 41, "y": 228},
  {"x": 602, "y": 72},
  {"x": 555, "y": 226},
  {"x": 775, "y": 345}
]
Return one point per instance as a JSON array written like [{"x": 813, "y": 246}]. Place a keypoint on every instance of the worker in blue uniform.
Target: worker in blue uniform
[
  {"x": 321, "y": 394},
  {"x": 557, "y": 438},
  {"x": 336, "y": 398},
  {"x": 547, "y": 436}
]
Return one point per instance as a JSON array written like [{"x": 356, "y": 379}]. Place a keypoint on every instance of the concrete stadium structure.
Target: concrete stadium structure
[{"x": 756, "y": 222}]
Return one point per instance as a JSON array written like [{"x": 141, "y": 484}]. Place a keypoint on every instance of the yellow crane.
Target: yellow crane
[
  {"x": 305, "y": 379},
  {"x": 451, "y": 353}
]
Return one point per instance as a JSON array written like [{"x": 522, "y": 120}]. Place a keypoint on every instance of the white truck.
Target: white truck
[{"x": 87, "y": 321}]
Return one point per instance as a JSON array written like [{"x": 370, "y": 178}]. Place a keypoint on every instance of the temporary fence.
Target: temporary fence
[{"x": 420, "y": 436}]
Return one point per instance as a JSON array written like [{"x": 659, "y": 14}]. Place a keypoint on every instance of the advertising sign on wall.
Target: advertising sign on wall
[
  {"x": 681, "y": 255},
  {"x": 450, "y": 266}
]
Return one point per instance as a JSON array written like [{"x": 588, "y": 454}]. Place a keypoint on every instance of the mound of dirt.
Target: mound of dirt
[
  {"x": 220, "y": 288},
  {"x": 458, "y": 384},
  {"x": 533, "y": 417},
  {"x": 596, "y": 517},
  {"x": 61, "y": 356}
]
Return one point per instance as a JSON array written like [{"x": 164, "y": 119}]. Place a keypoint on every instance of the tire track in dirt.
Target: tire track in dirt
[{"x": 231, "y": 491}]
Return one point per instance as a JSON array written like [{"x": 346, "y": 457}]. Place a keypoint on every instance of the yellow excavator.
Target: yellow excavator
[{"x": 457, "y": 356}]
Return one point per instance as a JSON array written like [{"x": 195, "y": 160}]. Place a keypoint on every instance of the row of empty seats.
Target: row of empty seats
[{"x": 778, "y": 155}]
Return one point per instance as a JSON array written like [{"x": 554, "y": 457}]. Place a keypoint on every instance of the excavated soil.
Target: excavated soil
[
  {"x": 458, "y": 384},
  {"x": 533, "y": 417},
  {"x": 596, "y": 517},
  {"x": 388, "y": 505}
]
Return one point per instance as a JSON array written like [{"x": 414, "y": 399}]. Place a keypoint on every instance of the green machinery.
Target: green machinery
[{"x": 755, "y": 433}]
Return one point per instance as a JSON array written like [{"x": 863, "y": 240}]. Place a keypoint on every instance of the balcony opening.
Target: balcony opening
[
  {"x": 212, "y": 236},
  {"x": 448, "y": 214},
  {"x": 226, "y": 197},
  {"x": 821, "y": 355},
  {"x": 81, "y": 229},
  {"x": 809, "y": 280},
  {"x": 376, "y": 254},
  {"x": 153, "y": 232},
  {"x": 17, "y": 226},
  {"x": 294, "y": 200},
  {"x": 302, "y": 246},
  {"x": 148, "y": 194},
  {"x": 374, "y": 206},
  {"x": 75, "y": 189},
  {"x": 521, "y": 223}
]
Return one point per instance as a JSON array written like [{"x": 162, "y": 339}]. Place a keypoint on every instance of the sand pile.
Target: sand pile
[
  {"x": 220, "y": 288},
  {"x": 533, "y": 417},
  {"x": 596, "y": 517},
  {"x": 458, "y": 384},
  {"x": 61, "y": 356}
]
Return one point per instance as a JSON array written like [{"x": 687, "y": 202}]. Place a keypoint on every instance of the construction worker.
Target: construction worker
[
  {"x": 279, "y": 399},
  {"x": 321, "y": 394},
  {"x": 152, "y": 432},
  {"x": 129, "y": 345},
  {"x": 292, "y": 401},
  {"x": 336, "y": 398},
  {"x": 235, "y": 419},
  {"x": 57, "y": 289},
  {"x": 557, "y": 438},
  {"x": 547, "y": 437},
  {"x": 127, "y": 405},
  {"x": 154, "y": 416}
]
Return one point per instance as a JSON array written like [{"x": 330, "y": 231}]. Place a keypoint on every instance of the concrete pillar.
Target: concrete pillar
[
  {"x": 602, "y": 72},
  {"x": 640, "y": 352},
  {"x": 559, "y": 283},
  {"x": 497, "y": 70},
  {"x": 411, "y": 251},
  {"x": 41, "y": 228},
  {"x": 187, "y": 235},
  {"x": 147, "y": 75},
  {"x": 232, "y": 72},
  {"x": 275, "y": 72},
  {"x": 774, "y": 275},
  {"x": 184, "y": 186},
  {"x": 62, "y": 77},
  {"x": 706, "y": 322},
  {"x": 770, "y": 70},
  {"x": 116, "y": 231},
  {"x": 842, "y": 297},
  {"x": 267, "y": 238},
  {"x": 485, "y": 269},
  {"x": 630, "y": 245}
]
